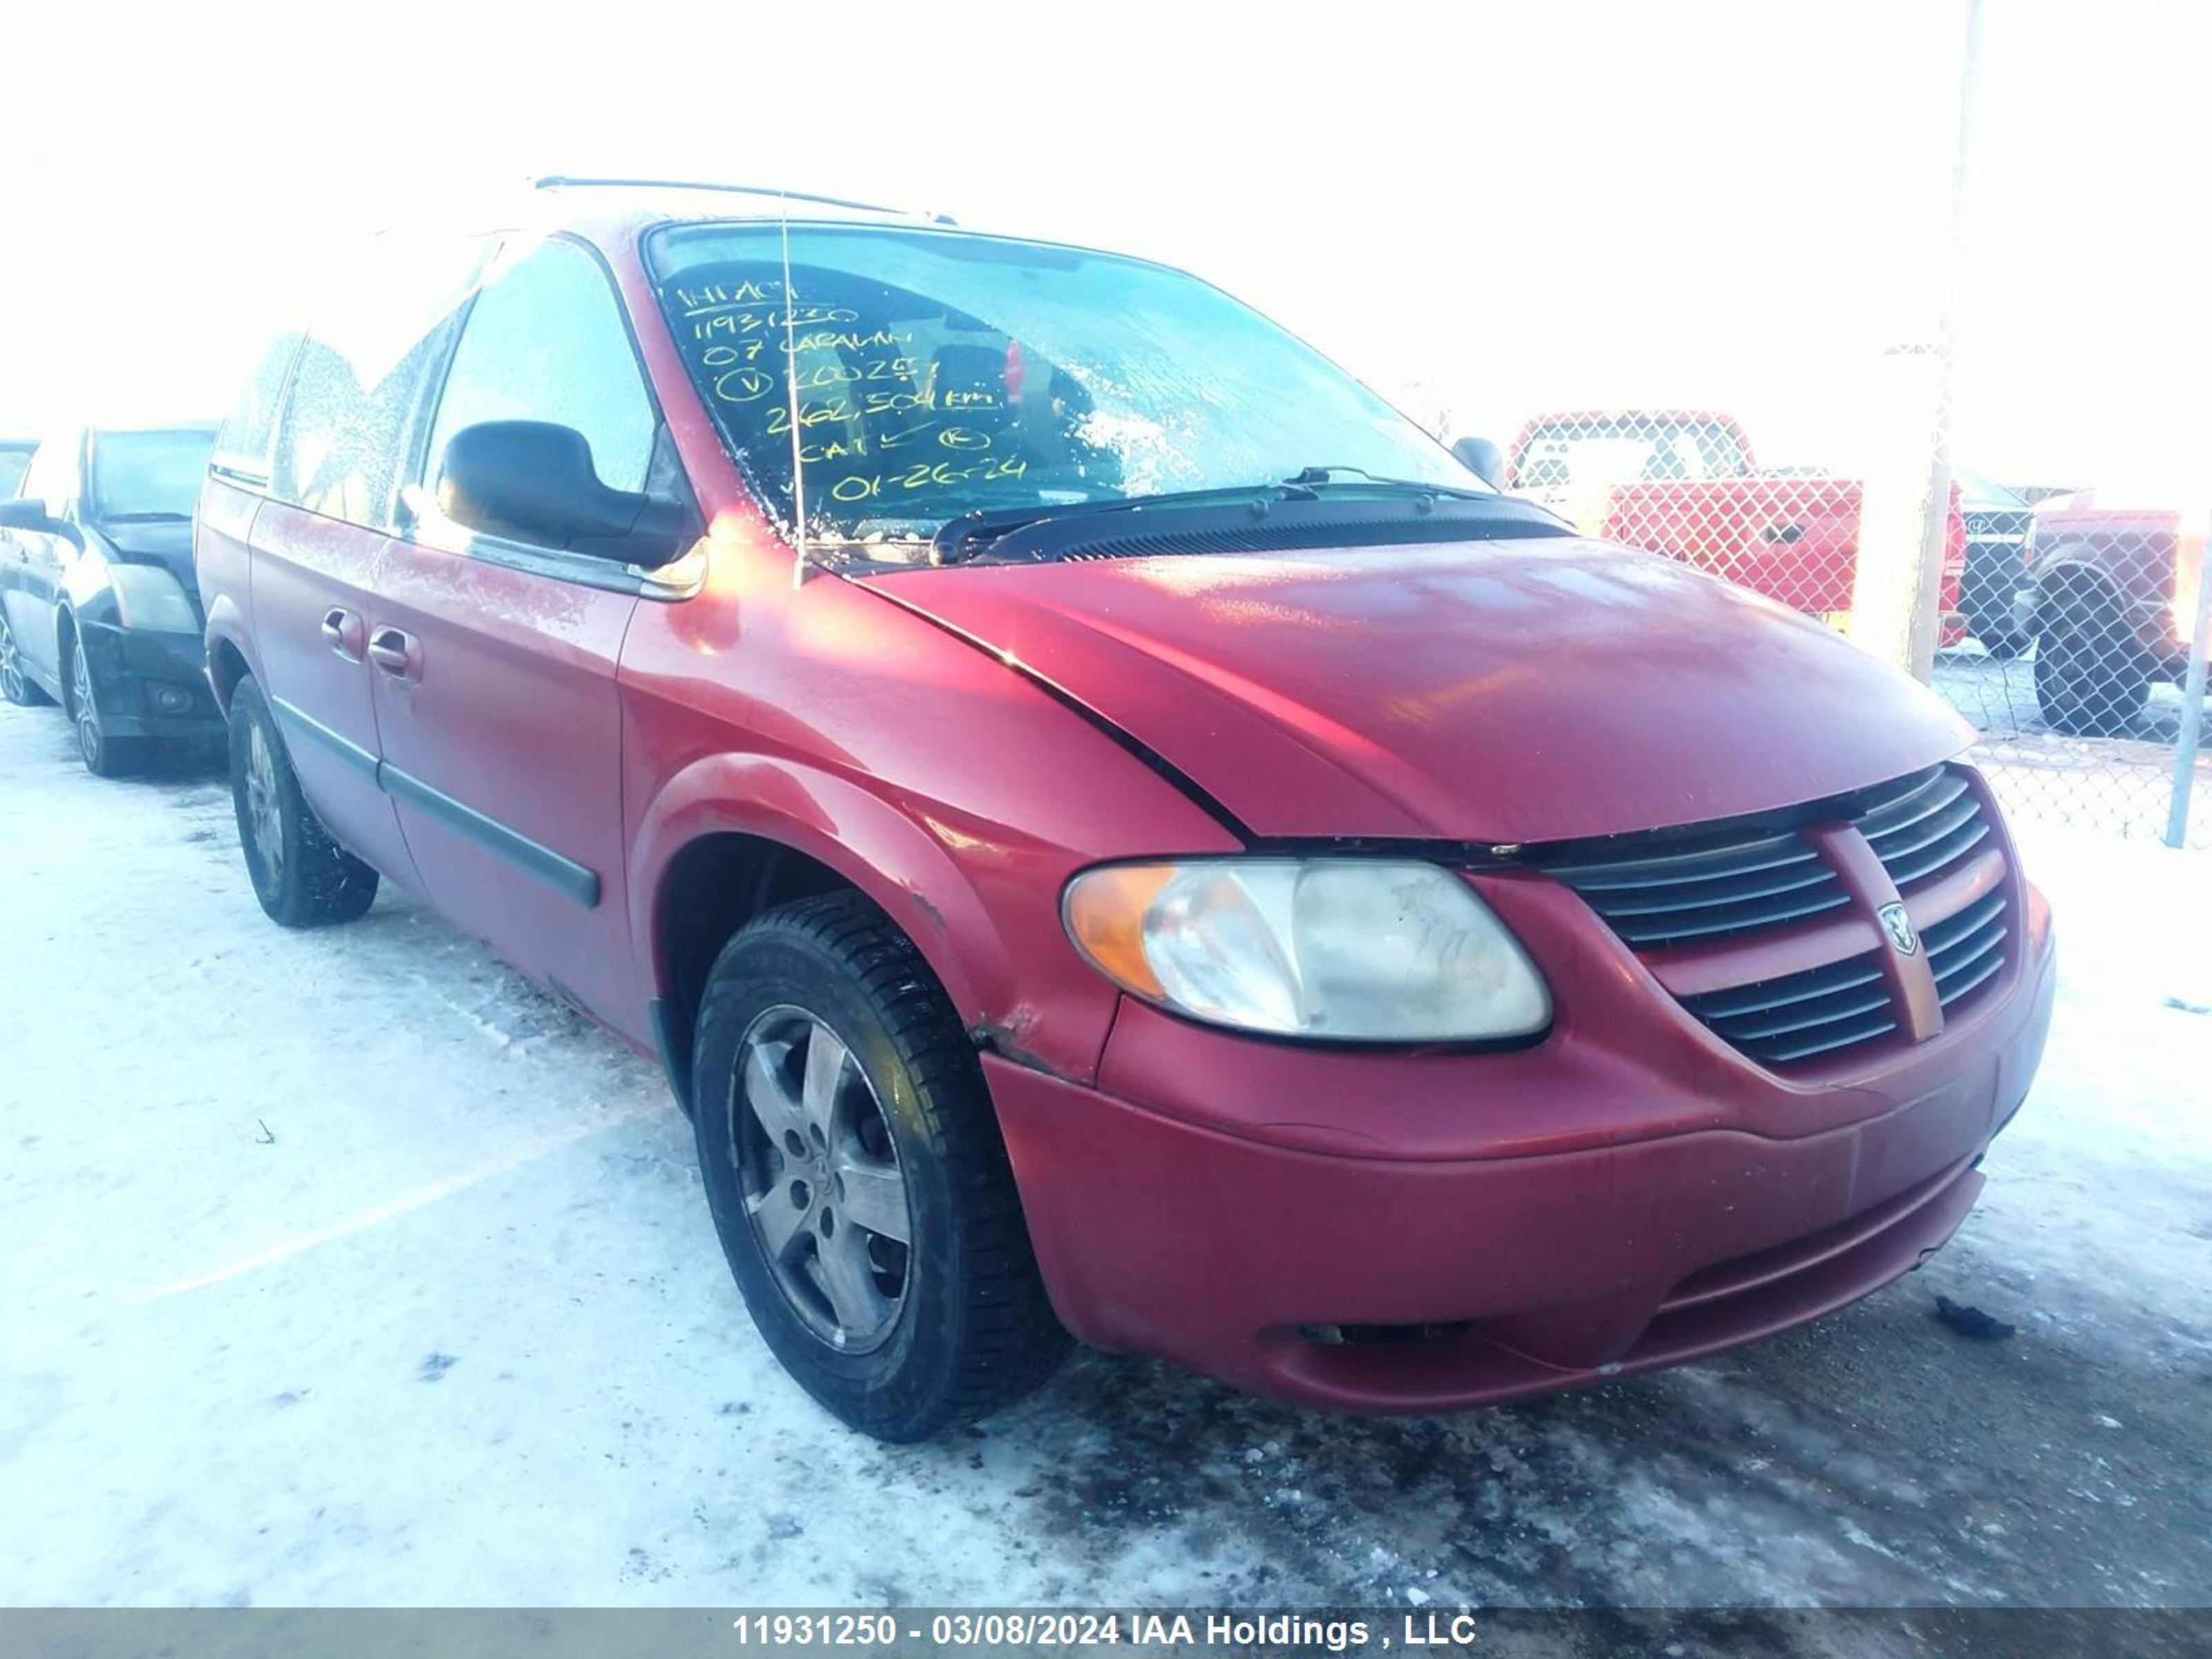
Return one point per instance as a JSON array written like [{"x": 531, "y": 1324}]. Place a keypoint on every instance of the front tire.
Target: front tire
[
  {"x": 2089, "y": 676},
  {"x": 1996, "y": 638},
  {"x": 104, "y": 756},
  {"x": 854, "y": 1170},
  {"x": 302, "y": 877}
]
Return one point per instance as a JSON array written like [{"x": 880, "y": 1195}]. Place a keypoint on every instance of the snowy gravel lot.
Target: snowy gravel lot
[{"x": 345, "y": 1268}]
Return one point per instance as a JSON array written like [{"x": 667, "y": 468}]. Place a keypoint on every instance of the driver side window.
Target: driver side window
[
  {"x": 544, "y": 341},
  {"x": 48, "y": 478}
]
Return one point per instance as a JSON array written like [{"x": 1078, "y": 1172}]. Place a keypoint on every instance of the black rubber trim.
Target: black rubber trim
[
  {"x": 1136, "y": 530},
  {"x": 356, "y": 758},
  {"x": 564, "y": 875}
]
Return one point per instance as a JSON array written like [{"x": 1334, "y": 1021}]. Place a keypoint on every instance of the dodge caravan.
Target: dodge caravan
[{"x": 1110, "y": 829}]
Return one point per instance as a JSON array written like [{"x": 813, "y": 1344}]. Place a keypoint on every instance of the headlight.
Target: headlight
[
  {"x": 148, "y": 597},
  {"x": 1343, "y": 949}
]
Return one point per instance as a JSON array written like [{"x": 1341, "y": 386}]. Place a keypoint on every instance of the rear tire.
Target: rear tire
[
  {"x": 16, "y": 684},
  {"x": 830, "y": 1066},
  {"x": 2090, "y": 680},
  {"x": 302, "y": 877}
]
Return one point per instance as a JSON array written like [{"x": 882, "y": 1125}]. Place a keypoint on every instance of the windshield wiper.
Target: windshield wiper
[
  {"x": 970, "y": 535},
  {"x": 145, "y": 518},
  {"x": 1323, "y": 478},
  {"x": 962, "y": 538}
]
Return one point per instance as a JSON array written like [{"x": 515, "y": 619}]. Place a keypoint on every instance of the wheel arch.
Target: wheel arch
[
  {"x": 732, "y": 836},
  {"x": 66, "y": 645},
  {"x": 228, "y": 662}
]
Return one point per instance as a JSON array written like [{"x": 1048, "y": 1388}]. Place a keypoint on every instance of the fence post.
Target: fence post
[
  {"x": 2193, "y": 693},
  {"x": 1905, "y": 512}
]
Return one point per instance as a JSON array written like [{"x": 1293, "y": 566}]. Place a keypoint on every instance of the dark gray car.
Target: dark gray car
[{"x": 98, "y": 607}]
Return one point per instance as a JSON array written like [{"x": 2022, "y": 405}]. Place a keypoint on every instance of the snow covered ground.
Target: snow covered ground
[{"x": 343, "y": 1268}]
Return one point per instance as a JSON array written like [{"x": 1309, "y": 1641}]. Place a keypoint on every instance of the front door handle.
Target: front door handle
[
  {"x": 347, "y": 634},
  {"x": 398, "y": 652}
]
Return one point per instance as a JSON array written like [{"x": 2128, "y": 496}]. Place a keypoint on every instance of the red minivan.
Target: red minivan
[{"x": 1110, "y": 829}]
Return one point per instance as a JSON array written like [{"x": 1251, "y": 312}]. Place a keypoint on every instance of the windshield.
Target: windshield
[
  {"x": 13, "y": 464},
  {"x": 1608, "y": 451},
  {"x": 147, "y": 474},
  {"x": 940, "y": 374},
  {"x": 1978, "y": 490}
]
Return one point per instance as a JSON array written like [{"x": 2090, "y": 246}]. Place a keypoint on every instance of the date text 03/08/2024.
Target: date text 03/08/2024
[{"x": 1418, "y": 1631}]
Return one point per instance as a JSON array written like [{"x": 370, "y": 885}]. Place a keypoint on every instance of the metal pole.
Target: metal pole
[
  {"x": 1935, "y": 506},
  {"x": 2192, "y": 694},
  {"x": 1905, "y": 512}
]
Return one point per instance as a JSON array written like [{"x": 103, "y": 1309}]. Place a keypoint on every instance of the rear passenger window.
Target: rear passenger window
[
  {"x": 545, "y": 342},
  {"x": 242, "y": 448},
  {"x": 362, "y": 383}
]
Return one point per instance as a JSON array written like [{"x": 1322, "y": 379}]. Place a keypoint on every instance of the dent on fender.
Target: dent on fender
[{"x": 1005, "y": 1039}]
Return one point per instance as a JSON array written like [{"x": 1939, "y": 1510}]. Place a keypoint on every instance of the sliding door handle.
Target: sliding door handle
[
  {"x": 346, "y": 632},
  {"x": 398, "y": 652}
]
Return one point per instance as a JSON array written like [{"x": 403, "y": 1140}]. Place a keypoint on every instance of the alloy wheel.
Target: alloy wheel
[
  {"x": 263, "y": 811},
  {"x": 820, "y": 1179},
  {"x": 82, "y": 709},
  {"x": 14, "y": 685}
]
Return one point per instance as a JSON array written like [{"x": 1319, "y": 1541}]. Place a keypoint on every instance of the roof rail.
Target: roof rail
[{"x": 562, "y": 181}]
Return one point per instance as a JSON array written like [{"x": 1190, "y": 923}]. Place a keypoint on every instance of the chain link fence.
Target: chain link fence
[
  {"x": 2064, "y": 618},
  {"x": 2063, "y": 623}
]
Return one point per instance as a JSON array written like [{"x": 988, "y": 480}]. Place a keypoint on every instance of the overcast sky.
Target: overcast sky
[{"x": 1483, "y": 209}]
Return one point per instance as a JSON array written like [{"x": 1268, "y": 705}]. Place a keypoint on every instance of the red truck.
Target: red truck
[
  {"x": 2109, "y": 594},
  {"x": 1684, "y": 482}
]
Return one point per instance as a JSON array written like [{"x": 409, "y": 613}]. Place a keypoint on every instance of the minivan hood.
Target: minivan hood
[
  {"x": 1495, "y": 692},
  {"x": 164, "y": 541}
]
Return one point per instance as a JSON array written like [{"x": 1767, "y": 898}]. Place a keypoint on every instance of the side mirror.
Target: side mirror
[
  {"x": 1480, "y": 457},
  {"x": 29, "y": 512},
  {"x": 532, "y": 481}
]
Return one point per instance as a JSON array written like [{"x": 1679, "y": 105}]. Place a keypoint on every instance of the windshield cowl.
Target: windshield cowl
[{"x": 1291, "y": 519}]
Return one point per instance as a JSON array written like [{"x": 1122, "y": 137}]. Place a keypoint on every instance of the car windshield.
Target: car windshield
[
  {"x": 141, "y": 475},
  {"x": 933, "y": 373},
  {"x": 1605, "y": 450},
  {"x": 1979, "y": 490}
]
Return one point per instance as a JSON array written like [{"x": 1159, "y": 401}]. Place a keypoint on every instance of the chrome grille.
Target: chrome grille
[
  {"x": 1967, "y": 951},
  {"x": 1701, "y": 886},
  {"x": 1922, "y": 829},
  {"x": 2011, "y": 528},
  {"x": 1716, "y": 886},
  {"x": 1800, "y": 1015}
]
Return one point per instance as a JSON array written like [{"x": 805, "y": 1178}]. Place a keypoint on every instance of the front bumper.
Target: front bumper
[
  {"x": 1411, "y": 1232},
  {"x": 149, "y": 685}
]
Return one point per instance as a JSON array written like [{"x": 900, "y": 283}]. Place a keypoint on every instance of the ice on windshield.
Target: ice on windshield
[{"x": 932, "y": 373}]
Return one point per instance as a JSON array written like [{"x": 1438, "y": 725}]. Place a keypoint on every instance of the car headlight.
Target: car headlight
[
  {"x": 1338, "y": 950},
  {"x": 150, "y": 598}
]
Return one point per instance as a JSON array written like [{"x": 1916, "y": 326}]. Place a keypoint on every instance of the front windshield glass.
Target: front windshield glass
[
  {"x": 1984, "y": 492},
  {"x": 149, "y": 474},
  {"x": 940, "y": 374},
  {"x": 1606, "y": 450}
]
